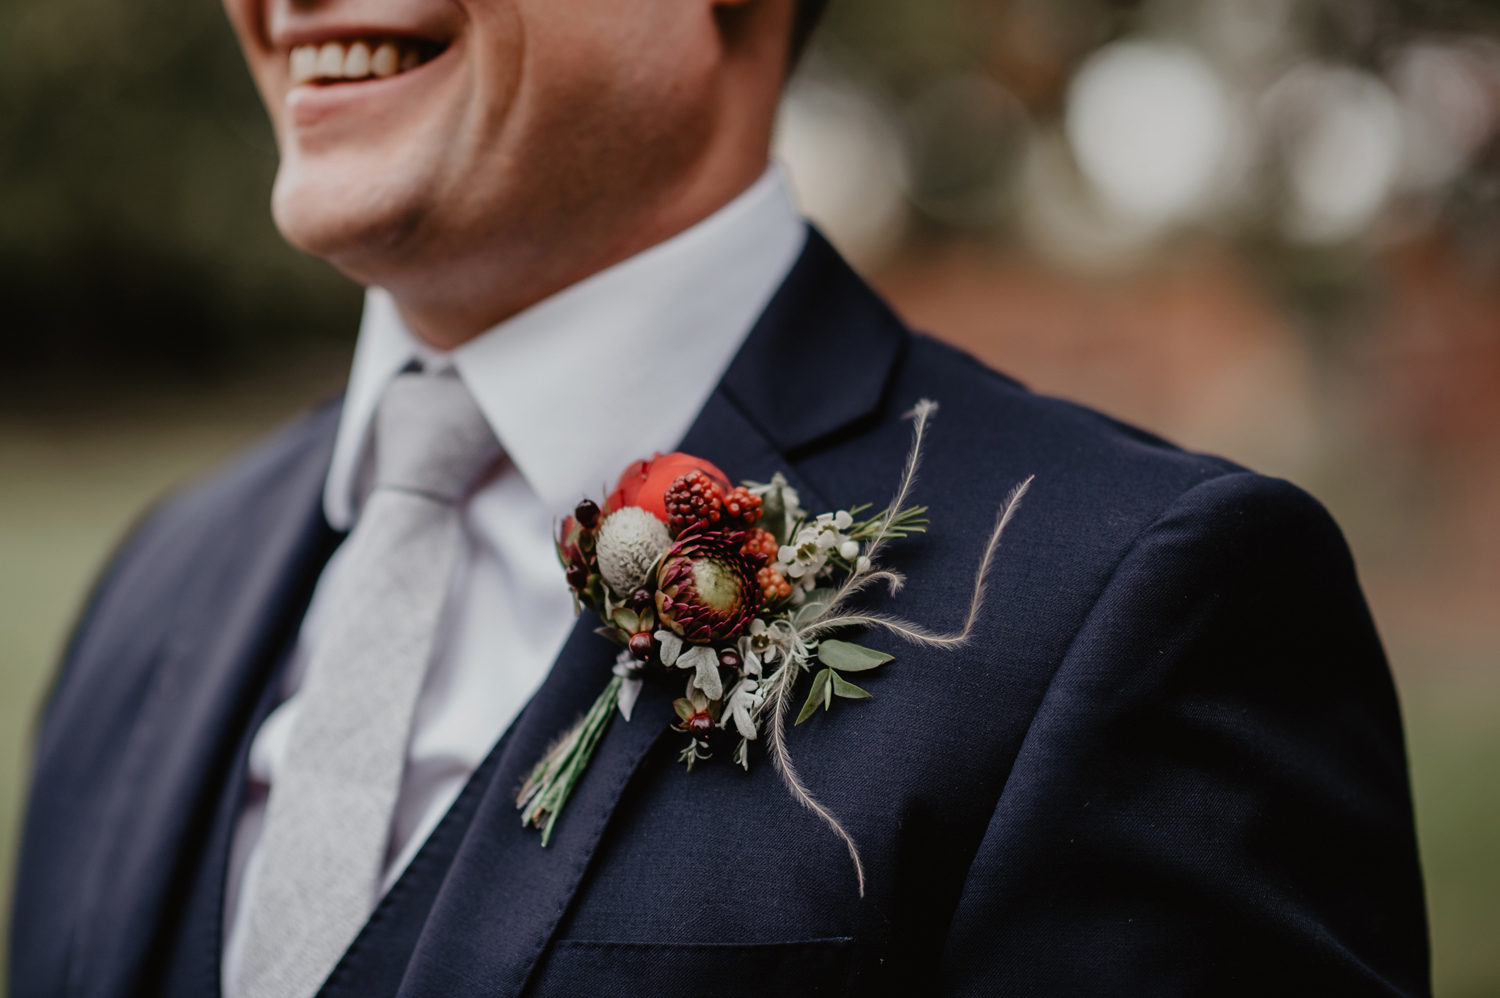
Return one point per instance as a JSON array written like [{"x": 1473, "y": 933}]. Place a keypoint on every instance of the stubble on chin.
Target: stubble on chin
[{"x": 361, "y": 232}]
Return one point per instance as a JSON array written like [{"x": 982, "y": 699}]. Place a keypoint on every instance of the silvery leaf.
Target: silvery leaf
[{"x": 706, "y": 661}]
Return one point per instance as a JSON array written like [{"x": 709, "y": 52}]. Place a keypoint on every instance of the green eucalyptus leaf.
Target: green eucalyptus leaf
[
  {"x": 815, "y": 696},
  {"x": 846, "y": 656},
  {"x": 842, "y": 687},
  {"x": 613, "y": 634},
  {"x": 773, "y": 514}
]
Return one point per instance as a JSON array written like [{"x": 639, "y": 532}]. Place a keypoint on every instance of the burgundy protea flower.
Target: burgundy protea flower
[{"x": 706, "y": 588}]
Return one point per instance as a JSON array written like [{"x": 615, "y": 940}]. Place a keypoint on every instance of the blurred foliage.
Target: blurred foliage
[
  {"x": 982, "y": 90},
  {"x": 135, "y": 166},
  {"x": 135, "y": 161}
]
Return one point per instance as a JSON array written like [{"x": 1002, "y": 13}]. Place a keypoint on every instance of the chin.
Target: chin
[{"x": 349, "y": 226}]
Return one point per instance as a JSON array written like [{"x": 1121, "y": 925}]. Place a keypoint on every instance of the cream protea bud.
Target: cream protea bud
[
  {"x": 630, "y": 541},
  {"x": 706, "y": 590}
]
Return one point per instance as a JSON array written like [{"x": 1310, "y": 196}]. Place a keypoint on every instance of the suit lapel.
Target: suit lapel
[
  {"x": 504, "y": 894},
  {"x": 248, "y": 592}
]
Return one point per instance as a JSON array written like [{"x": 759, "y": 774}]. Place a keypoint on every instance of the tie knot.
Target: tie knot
[{"x": 430, "y": 437}]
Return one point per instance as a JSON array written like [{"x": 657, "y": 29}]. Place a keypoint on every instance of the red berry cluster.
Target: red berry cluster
[
  {"x": 773, "y": 585},
  {"x": 575, "y": 547},
  {"x": 742, "y": 505},
  {"x": 693, "y": 498},
  {"x": 760, "y": 546}
]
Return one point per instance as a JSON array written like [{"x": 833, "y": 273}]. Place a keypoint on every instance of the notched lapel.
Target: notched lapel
[
  {"x": 244, "y": 594},
  {"x": 505, "y": 895}
]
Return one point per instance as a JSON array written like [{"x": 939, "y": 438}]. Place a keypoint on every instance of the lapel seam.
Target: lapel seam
[
  {"x": 787, "y": 465},
  {"x": 586, "y": 858}
]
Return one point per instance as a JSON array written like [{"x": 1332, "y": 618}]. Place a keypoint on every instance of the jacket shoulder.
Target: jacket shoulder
[
  {"x": 1100, "y": 489},
  {"x": 130, "y": 605},
  {"x": 1055, "y": 433}
]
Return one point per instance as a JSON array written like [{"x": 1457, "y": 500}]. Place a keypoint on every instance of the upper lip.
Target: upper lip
[{"x": 293, "y": 36}]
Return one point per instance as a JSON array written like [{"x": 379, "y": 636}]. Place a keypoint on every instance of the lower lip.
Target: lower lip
[{"x": 310, "y": 104}]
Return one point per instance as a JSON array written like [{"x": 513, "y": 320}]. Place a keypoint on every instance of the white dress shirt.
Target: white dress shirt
[{"x": 576, "y": 387}]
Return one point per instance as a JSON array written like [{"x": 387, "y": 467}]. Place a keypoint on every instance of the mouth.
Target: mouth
[{"x": 352, "y": 60}]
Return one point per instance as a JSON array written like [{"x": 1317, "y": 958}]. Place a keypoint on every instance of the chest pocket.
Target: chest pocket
[{"x": 691, "y": 970}]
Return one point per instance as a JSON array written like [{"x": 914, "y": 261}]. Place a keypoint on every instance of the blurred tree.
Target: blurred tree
[
  {"x": 135, "y": 165},
  {"x": 135, "y": 161}
]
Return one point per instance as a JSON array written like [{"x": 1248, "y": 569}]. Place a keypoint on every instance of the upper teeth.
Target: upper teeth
[{"x": 352, "y": 60}]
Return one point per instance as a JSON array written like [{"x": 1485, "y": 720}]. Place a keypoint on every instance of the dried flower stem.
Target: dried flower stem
[
  {"x": 782, "y": 758},
  {"x": 832, "y": 619},
  {"x": 552, "y": 780},
  {"x": 835, "y": 617}
]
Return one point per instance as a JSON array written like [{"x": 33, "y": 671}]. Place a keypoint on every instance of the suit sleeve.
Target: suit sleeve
[{"x": 1212, "y": 797}]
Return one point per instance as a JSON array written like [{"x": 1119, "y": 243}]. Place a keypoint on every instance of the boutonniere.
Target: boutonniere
[{"x": 740, "y": 593}]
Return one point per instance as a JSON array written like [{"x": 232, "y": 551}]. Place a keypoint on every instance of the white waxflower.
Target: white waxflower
[
  {"x": 630, "y": 542},
  {"x": 803, "y": 560},
  {"x": 758, "y": 648}
]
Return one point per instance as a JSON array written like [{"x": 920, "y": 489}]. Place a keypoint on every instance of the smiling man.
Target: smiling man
[{"x": 282, "y": 754}]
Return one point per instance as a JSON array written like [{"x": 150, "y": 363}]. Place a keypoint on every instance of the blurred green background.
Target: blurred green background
[{"x": 1268, "y": 229}]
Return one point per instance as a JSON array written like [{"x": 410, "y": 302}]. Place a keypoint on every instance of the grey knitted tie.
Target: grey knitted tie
[{"x": 328, "y": 818}]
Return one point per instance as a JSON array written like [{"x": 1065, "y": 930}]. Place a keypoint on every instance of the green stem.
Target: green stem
[{"x": 552, "y": 780}]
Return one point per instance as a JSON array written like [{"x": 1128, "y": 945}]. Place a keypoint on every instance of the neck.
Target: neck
[{"x": 473, "y": 296}]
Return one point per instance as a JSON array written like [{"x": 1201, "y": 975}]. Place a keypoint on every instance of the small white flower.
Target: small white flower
[
  {"x": 842, "y": 520},
  {"x": 862, "y": 565},
  {"x": 757, "y": 648},
  {"x": 849, "y": 550}
]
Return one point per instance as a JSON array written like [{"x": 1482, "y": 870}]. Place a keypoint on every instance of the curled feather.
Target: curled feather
[{"x": 836, "y": 616}]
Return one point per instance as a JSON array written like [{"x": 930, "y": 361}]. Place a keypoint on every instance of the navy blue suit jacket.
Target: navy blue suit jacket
[{"x": 1169, "y": 762}]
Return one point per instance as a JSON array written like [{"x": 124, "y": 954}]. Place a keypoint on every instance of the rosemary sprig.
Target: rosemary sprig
[{"x": 552, "y": 780}]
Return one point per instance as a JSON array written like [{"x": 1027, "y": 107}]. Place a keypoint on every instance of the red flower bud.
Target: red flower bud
[
  {"x": 645, "y": 483},
  {"x": 587, "y": 513},
  {"x": 642, "y": 644}
]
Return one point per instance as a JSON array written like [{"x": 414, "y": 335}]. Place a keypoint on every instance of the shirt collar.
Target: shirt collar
[{"x": 608, "y": 370}]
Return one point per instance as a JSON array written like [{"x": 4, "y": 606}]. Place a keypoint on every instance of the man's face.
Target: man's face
[{"x": 419, "y": 133}]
